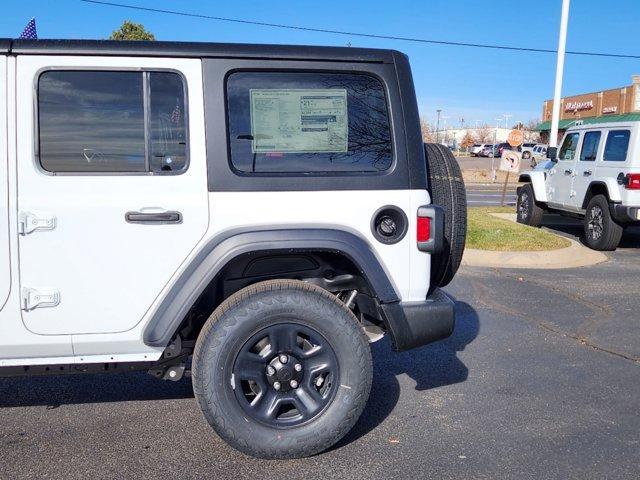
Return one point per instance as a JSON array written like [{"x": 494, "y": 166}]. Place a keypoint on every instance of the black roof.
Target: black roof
[{"x": 194, "y": 50}]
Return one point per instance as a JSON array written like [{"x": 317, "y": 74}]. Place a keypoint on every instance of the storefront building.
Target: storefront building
[{"x": 617, "y": 104}]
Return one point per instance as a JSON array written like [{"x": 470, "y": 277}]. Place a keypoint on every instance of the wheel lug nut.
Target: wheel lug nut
[
  {"x": 271, "y": 371},
  {"x": 297, "y": 367},
  {"x": 284, "y": 359},
  {"x": 276, "y": 385},
  {"x": 293, "y": 384}
]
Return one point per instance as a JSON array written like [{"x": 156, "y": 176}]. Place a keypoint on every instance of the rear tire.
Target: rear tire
[
  {"x": 528, "y": 212},
  {"x": 601, "y": 231},
  {"x": 323, "y": 381},
  {"x": 446, "y": 187}
]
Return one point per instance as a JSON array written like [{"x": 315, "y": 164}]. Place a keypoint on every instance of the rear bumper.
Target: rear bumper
[
  {"x": 624, "y": 214},
  {"x": 413, "y": 324}
]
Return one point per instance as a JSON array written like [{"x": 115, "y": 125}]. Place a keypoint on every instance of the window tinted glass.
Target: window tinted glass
[
  {"x": 590, "y": 146},
  {"x": 569, "y": 147},
  {"x": 167, "y": 122},
  {"x": 308, "y": 123},
  {"x": 91, "y": 121},
  {"x": 615, "y": 150}
]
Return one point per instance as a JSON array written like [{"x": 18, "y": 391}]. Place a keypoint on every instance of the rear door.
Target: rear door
[
  {"x": 585, "y": 170},
  {"x": 113, "y": 192}
]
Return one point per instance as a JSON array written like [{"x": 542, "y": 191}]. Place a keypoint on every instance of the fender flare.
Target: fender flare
[
  {"x": 537, "y": 179},
  {"x": 222, "y": 249},
  {"x": 612, "y": 187}
]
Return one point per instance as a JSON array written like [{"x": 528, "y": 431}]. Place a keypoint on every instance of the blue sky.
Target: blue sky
[{"x": 469, "y": 83}]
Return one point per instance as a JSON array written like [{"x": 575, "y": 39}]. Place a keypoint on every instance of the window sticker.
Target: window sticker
[{"x": 299, "y": 120}]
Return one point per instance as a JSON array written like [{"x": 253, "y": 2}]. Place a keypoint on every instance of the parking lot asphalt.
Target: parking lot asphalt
[{"x": 541, "y": 379}]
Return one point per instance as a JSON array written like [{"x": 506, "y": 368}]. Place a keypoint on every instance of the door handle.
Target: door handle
[
  {"x": 568, "y": 172},
  {"x": 155, "y": 218},
  {"x": 587, "y": 173}
]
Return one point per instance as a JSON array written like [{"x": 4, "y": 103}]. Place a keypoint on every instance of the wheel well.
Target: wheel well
[
  {"x": 524, "y": 178},
  {"x": 593, "y": 190},
  {"x": 330, "y": 270}
]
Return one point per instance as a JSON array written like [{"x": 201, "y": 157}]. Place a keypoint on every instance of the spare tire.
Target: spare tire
[{"x": 446, "y": 187}]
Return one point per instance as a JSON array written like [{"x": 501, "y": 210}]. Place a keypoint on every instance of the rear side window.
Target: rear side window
[
  {"x": 111, "y": 121},
  {"x": 569, "y": 147},
  {"x": 615, "y": 150},
  {"x": 308, "y": 123},
  {"x": 590, "y": 146}
]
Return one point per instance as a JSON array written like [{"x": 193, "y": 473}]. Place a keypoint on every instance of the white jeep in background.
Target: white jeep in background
[
  {"x": 595, "y": 176},
  {"x": 248, "y": 215}
]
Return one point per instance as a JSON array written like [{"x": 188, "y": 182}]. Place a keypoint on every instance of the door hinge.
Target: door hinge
[
  {"x": 32, "y": 298},
  {"x": 29, "y": 222}
]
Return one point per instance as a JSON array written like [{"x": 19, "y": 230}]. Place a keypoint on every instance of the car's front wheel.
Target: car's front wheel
[
  {"x": 282, "y": 369},
  {"x": 601, "y": 231},
  {"x": 527, "y": 211}
]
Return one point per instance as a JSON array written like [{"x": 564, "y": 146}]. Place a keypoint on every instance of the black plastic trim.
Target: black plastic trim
[
  {"x": 413, "y": 324},
  {"x": 624, "y": 214},
  {"x": 224, "y": 248},
  {"x": 195, "y": 50}
]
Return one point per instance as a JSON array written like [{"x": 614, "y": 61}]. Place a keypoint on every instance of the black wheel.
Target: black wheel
[
  {"x": 282, "y": 369},
  {"x": 446, "y": 187},
  {"x": 601, "y": 231},
  {"x": 528, "y": 212}
]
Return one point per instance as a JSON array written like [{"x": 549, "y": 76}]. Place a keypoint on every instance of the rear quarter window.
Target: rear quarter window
[
  {"x": 615, "y": 150},
  {"x": 308, "y": 123}
]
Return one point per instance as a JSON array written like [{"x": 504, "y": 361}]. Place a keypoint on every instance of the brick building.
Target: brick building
[{"x": 617, "y": 104}]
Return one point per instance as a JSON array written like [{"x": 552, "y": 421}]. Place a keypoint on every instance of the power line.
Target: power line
[{"x": 357, "y": 34}]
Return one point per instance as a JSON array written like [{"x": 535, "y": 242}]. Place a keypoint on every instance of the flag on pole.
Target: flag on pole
[{"x": 29, "y": 31}]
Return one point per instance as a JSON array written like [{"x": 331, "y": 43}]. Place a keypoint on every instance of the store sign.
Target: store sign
[
  {"x": 611, "y": 109},
  {"x": 578, "y": 106}
]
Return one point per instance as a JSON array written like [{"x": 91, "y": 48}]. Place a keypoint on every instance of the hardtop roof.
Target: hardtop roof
[{"x": 195, "y": 50}]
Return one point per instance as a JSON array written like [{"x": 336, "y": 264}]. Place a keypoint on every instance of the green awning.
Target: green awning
[{"x": 563, "y": 124}]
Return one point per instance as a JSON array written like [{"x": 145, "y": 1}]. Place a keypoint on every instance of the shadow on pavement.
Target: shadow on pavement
[
  {"x": 432, "y": 366},
  {"x": 572, "y": 227}
]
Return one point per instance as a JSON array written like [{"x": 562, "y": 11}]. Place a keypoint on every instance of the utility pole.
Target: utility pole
[
  {"x": 562, "y": 43},
  {"x": 506, "y": 120},
  {"x": 493, "y": 152},
  {"x": 438, "y": 125}
]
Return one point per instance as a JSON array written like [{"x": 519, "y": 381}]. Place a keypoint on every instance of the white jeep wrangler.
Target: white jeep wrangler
[
  {"x": 247, "y": 215},
  {"x": 594, "y": 176}
]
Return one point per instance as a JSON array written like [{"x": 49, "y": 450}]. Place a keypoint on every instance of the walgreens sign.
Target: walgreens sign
[{"x": 578, "y": 106}]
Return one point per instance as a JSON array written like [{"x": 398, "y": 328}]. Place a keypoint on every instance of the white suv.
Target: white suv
[
  {"x": 250, "y": 215},
  {"x": 595, "y": 176}
]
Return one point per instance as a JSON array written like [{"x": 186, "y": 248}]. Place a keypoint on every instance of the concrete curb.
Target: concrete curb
[{"x": 573, "y": 256}]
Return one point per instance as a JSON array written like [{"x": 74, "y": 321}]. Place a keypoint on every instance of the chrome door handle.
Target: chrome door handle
[
  {"x": 155, "y": 218},
  {"x": 587, "y": 173}
]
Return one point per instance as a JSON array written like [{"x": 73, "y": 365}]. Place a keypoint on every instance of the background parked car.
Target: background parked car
[
  {"x": 486, "y": 151},
  {"x": 476, "y": 149},
  {"x": 535, "y": 154}
]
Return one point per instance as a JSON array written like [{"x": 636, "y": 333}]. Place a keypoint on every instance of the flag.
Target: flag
[{"x": 29, "y": 31}]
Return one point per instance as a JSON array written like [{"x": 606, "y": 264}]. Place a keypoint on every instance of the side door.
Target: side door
[
  {"x": 113, "y": 192},
  {"x": 561, "y": 175},
  {"x": 5, "y": 269},
  {"x": 585, "y": 170}
]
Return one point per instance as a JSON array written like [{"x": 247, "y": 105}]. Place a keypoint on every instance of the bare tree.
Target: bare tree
[
  {"x": 484, "y": 134},
  {"x": 428, "y": 132},
  {"x": 530, "y": 134}
]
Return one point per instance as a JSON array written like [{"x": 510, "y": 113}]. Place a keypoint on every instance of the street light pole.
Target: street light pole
[
  {"x": 506, "y": 120},
  {"x": 562, "y": 43},
  {"x": 438, "y": 125},
  {"x": 493, "y": 153}
]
